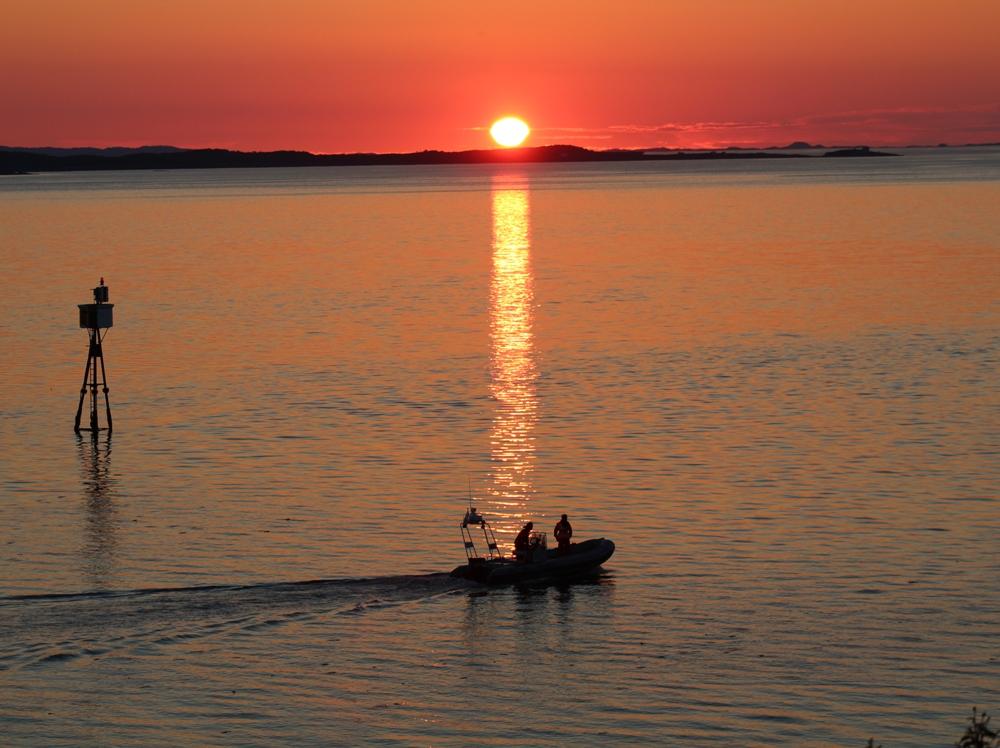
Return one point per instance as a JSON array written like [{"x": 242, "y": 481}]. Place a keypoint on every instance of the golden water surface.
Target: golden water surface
[{"x": 773, "y": 385}]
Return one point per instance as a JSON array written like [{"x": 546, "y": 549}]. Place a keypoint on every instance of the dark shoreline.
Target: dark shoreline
[{"x": 29, "y": 161}]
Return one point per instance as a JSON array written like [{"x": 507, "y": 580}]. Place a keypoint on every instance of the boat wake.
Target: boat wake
[{"x": 42, "y": 630}]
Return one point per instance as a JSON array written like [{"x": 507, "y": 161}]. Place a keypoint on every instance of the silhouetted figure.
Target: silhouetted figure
[
  {"x": 522, "y": 543},
  {"x": 563, "y": 533}
]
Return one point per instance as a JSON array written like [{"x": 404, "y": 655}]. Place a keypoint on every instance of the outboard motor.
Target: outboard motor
[
  {"x": 472, "y": 517},
  {"x": 475, "y": 519}
]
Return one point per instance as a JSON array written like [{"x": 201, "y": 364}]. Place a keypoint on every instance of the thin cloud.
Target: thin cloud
[
  {"x": 898, "y": 126},
  {"x": 883, "y": 125}
]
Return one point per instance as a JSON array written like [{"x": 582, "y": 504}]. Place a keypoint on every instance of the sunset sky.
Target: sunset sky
[{"x": 330, "y": 76}]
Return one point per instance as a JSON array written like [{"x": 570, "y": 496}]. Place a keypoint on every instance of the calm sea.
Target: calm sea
[{"x": 774, "y": 384}]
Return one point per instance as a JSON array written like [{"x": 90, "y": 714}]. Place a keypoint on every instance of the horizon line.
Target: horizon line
[{"x": 794, "y": 145}]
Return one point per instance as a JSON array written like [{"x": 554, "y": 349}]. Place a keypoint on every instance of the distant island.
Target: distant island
[{"x": 29, "y": 160}]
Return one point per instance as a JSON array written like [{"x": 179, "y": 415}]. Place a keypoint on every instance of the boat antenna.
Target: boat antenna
[{"x": 469, "y": 478}]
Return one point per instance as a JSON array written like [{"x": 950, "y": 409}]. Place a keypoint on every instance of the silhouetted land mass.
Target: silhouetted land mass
[
  {"x": 20, "y": 161},
  {"x": 858, "y": 151},
  {"x": 112, "y": 151}
]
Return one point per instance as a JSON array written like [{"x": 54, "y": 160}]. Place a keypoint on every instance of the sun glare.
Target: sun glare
[{"x": 509, "y": 131}]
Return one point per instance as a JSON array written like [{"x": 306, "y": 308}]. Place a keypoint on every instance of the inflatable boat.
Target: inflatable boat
[{"x": 539, "y": 564}]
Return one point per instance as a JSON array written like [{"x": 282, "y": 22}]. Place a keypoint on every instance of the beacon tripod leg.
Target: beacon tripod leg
[
  {"x": 93, "y": 386},
  {"x": 83, "y": 394},
  {"x": 107, "y": 401}
]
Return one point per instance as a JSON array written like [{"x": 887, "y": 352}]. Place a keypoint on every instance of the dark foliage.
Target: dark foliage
[{"x": 978, "y": 734}]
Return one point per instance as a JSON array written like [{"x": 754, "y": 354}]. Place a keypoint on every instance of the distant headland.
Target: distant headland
[{"x": 28, "y": 160}]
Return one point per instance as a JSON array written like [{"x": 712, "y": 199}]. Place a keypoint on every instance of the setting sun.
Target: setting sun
[{"x": 509, "y": 131}]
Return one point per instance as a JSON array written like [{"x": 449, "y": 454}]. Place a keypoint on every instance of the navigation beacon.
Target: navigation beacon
[{"x": 96, "y": 318}]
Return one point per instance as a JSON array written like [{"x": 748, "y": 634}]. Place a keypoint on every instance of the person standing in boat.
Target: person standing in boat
[
  {"x": 563, "y": 532},
  {"x": 522, "y": 543}
]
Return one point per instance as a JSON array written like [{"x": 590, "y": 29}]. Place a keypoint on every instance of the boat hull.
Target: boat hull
[{"x": 583, "y": 557}]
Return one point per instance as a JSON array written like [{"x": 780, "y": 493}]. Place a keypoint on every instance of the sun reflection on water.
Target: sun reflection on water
[{"x": 512, "y": 359}]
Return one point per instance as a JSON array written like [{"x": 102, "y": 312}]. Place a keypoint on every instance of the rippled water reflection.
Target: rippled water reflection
[
  {"x": 512, "y": 362},
  {"x": 773, "y": 385},
  {"x": 99, "y": 549}
]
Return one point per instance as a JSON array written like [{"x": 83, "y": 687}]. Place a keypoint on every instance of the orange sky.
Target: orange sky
[{"x": 331, "y": 76}]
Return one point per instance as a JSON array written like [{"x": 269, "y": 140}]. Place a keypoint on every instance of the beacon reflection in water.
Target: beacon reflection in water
[
  {"x": 513, "y": 371},
  {"x": 99, "y": 549}
]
